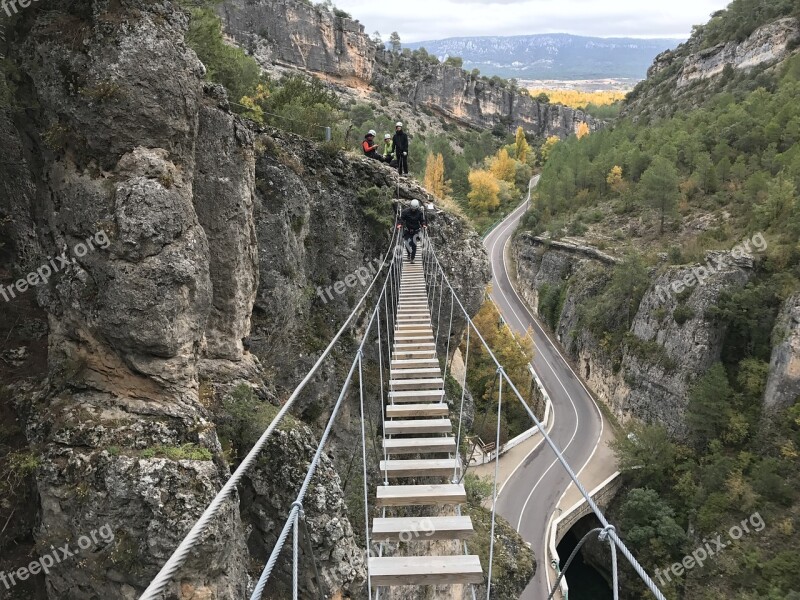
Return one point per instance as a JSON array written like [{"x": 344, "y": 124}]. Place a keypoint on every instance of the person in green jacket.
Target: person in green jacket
[{"x": 388, "y": 149}]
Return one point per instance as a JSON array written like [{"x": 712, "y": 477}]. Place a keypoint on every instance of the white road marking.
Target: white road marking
[{"x": 497, "y": 234}]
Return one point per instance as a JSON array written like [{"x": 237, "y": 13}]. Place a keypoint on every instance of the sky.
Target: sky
[{"x": 420, "y": 20}]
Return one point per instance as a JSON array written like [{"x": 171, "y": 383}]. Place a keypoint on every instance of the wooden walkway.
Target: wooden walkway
[{"x": 419, "y": 444}]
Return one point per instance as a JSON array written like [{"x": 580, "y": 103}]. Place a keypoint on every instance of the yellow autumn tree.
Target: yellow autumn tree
[
  {"x": 583, "y": 130},
  {"x": 522, "y": 146},
  {"x": 254, "y": 103},
  {"x": 614, "y": 179},
  {"x": 578, "y": 99},
  {"x": 503, "y": 167},
  {"x": 548, "y": 146},
  {"x": 434, "y": 175},
  {"x": 484, "y": 194},
  {"x": 515, "y": 354}
]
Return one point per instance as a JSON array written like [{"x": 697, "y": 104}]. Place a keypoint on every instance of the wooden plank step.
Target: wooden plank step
[
  {"x": 428, "y": 409},
  {"x": 425, "y": 570},
  {"x": 435, "y": 383},
  {"x": 423, "y": 346},
  {"x": 414, "y": 354},
  {"x": 406, "y": 338},
  {"x": 421, "y": 495},
  {"x": 431, "y": 467},
  {"x": 416, "y": 396},
  {"x": 418, "y": 330},
  {"x": 416, "y": 373},
  {"x": 420, "y": 529},
  {"x": 417, "y": 426},
  {"x": 421, "y": 363},
  {"x": 420, "y": 445},
  {"x": 403, "y": 325}
]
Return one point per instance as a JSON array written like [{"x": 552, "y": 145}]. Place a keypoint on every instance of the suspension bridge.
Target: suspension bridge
[{"x": 407, "y": 319}]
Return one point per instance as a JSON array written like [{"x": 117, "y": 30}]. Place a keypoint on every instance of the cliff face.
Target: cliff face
[
  {"x": 291, "y": 33},
  {"x": 174, "y": 219},
  {"x": 455, "y": 94},
  {"x": 685, "y": 73},
  {"x": 768, "y": 44},
  {"x": 783, "y": 385},
  {"x": 665, "y": 355},
  {"x": 301, "y": 35}
]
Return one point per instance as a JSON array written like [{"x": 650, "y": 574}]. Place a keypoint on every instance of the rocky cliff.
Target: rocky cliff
[
  {"x": 301, "y": 35},
  {"x": 685, "y": 74},
  {"x": 471, "y": 101},
  {"x": 672, "y": 340},
  {"x": 155, "y": 224},
  {"x": 291, "y": 33}
]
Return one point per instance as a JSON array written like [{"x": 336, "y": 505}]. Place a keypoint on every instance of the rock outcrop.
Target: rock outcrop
[
  {"x": 301, "y": 35},
  {"x": 295, "y": 34},
  {"x": 672, "y": 340},
  {"x": 769, "y": 44},
  {"x": 684, "y": 74},
  {"x": 783, "y": 385},
  {"x": 174, "y": 219},
  {"x": 483, "y": 104}
]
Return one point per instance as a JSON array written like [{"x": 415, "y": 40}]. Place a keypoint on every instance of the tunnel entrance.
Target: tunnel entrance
[{"x": 584, "y": 580}]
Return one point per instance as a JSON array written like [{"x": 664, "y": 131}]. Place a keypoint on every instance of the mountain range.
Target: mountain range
[{"x": 552, "y": 56}]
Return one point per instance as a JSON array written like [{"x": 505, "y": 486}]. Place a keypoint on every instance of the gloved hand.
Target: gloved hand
[{"x": 405, "y": 153}]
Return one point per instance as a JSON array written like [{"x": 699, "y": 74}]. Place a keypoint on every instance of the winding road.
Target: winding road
[{"x": 533, "y": 492}]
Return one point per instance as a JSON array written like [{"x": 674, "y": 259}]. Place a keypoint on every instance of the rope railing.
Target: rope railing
[
  {"x": 193, "y": 538},
  {"x": 392, "y": 278},
  {"x": 434, "y": 270}
]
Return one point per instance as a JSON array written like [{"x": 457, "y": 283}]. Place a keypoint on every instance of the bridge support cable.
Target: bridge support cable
[
  {"x": 435, "y": 269},
  {"x": 603, "y": 536},
  {"x": 500, "y": 372},
  {"x": 357, "y": 364},
  {"x": 193, "y": 538}
]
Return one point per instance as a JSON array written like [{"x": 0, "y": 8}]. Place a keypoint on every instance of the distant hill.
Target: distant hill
[{"x": 552, "y": 56}]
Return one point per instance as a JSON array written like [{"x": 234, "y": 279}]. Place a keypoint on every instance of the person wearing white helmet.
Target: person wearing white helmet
[
  {"x": 412, "y": 220},
  {"x": 400, "y": 142},
  {"x": 388, "y": 149},
  {"x": 370, "y": 147}
]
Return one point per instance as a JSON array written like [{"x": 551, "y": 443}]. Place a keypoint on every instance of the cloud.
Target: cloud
[{"x": 418, "y": 20}]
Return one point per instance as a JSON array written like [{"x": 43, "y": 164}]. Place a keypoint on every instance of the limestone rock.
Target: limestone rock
[{"x": 783, "y": 385}]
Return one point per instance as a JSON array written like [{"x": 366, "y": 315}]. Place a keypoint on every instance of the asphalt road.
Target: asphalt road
[{"x": 531, "y": 495}]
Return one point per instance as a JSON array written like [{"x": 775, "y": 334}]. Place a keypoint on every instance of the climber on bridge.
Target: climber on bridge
[
  {"x": 400, "y": 142},
  {"x": 412, "y": 219},
  {"x": 370, "y": 147}
]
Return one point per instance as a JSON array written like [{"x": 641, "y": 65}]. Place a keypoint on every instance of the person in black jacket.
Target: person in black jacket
[
  {"x": 412, "y": 219},
  {"x": 400, "y": 141}
]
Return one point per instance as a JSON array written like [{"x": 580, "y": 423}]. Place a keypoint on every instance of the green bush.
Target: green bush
[
  {"x": 225, "y": 64},
  {"x": 682, "y": 313}
]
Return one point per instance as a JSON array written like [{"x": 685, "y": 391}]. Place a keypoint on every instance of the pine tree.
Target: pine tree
[
  {"x": 394, "y": 40},
  {"x": 659, "y": 185},
  {"x": 547, "y": 147}
]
